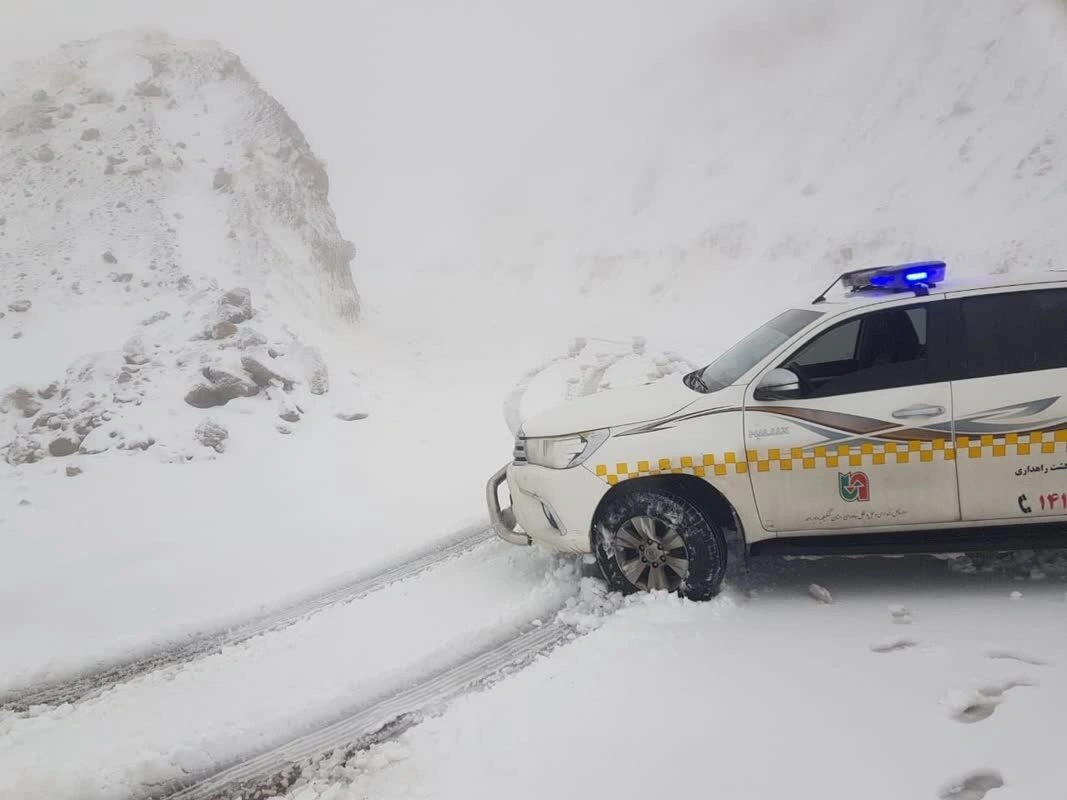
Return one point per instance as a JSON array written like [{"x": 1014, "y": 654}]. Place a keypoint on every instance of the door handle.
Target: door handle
[{"x": 920, "y": 410}]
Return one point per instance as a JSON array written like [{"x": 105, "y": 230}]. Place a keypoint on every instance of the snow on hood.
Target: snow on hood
[{"x": 613, "y": 408}]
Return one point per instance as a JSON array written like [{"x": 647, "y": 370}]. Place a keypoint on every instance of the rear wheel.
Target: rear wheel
[{"x": 646, "y": 540}]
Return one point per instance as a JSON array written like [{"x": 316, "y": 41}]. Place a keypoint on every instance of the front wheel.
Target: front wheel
[{"x": 646, "y": 540}]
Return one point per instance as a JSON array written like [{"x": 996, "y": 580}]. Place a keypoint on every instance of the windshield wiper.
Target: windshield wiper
[{"x": 695, "y": 382}]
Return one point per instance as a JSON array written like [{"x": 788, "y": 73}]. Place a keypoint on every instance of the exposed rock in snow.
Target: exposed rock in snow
[
  {"x": 24, "y": 450},
  {"x": 134, "y": 351},
  {"x": 236, "y": 305},
  {"x": 820, "y": 593},
  {"x": 223, "y": 330},
  {"x": 63, "y": 446},
  {"x": 350, "y": 416},
  {"x": 247, "y": 338},
  {"x": 264, "y": 376},
  {"x": 222, "y": 387},
  {"x": 73, "y": 471},
  {"x": 288, "y": 410},
  {"x": 223, "y": 181},
  {"x": 891, "y": 645},
  {"x": 159, "y": 316},
  {"x": 318, "y": 377},
  {"x": 208, "y": 195},
  {"x": 900, "y": 615},
  {"x": 21, "y": 400},
  {"x": 211, "y": 434}
]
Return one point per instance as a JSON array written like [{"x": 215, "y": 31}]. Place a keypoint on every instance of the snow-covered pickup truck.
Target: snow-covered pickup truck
[{"x": 905, "y": 414}]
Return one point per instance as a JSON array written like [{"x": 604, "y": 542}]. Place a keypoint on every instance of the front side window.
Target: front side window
[
  {"x": 743, "y": 356},
  {"x": 1016, "y": 332},
  {"x": 880, "y": 350}
]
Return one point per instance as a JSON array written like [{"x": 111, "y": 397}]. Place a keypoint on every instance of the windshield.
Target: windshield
[{"x": 743, "y": 356}]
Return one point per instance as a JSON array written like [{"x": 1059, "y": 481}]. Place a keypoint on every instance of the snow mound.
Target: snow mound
[
  {"x": 590, "y": 366},
  {"x": 166, "y": 245}
]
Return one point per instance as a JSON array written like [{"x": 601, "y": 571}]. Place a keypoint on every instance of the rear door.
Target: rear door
[
  {"x": 1010, "y": 396},
  {"x": 867, "y": 443}
]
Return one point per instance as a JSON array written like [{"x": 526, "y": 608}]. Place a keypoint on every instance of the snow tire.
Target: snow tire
[{"x": 705, "y": 545}]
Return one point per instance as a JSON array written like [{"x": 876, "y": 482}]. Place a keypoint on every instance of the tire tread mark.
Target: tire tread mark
[
  {"x": 86, "y": 684},
  {"x": 381, "y": 720}
]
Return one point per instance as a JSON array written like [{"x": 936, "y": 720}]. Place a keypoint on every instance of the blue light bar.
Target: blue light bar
[{"x": 909, "y": 276}]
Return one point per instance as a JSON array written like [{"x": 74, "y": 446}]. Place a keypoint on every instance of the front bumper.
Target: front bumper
[
  {"x": 553, "y": 507},
  {"x": 503, "y": 520}
]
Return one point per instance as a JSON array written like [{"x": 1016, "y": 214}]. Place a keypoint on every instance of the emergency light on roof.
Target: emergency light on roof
[
  {"x": 917, "y": 277},
  {"x": 908, "y": 276}
]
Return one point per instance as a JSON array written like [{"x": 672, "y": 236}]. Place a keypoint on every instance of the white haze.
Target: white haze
[{"x": 513, "y": 175}]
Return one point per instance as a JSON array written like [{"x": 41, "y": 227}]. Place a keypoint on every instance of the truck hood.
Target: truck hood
[{"x": 612, "y": 408}]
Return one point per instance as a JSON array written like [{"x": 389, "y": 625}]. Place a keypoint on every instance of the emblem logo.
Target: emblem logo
[{"x": 854, "y": 487}]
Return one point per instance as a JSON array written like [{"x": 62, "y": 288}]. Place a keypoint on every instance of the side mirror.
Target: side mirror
[{"x": 778, "y": 384}]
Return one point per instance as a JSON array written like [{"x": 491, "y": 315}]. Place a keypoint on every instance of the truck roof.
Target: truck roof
[{"x": 873, "y": 296}]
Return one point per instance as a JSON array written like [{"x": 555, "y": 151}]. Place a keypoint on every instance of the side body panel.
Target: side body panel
[
  {"x": 705, "y": 440},
  {"x": 858, "y": 455},
  {"x": 1011, "y": 404},
  {"x": 819, "y": 465},
  {"x": 1012, "y": 446}
]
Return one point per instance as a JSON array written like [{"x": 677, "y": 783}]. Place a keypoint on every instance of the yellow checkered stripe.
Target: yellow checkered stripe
[
  {"x": 837, "y": 456},
  {"x": 702, "y": 466},
  {"x": 1013, "y": 444}
]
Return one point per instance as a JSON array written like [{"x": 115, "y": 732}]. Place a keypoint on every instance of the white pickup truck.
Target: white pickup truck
[{"x": 907, "y": 413}]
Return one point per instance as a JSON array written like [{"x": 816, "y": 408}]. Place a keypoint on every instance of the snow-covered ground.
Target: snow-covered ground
[
  {"x": 269, "y": 689},
  {"x": 545, "y": 200},
  {"x": 768, "y": 693}
]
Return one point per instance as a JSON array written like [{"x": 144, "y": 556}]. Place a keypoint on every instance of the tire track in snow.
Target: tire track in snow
[
  {"x": 272, "y": 772},
  {"x": 85, "y": 684}
]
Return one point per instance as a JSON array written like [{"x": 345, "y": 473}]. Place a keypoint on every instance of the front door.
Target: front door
[
  {"x": 1011, "y": 405},
  {"x": 867, "y": 440}
]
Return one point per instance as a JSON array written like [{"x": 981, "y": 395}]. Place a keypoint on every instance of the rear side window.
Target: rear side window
[{"x": 1017, "y": 332}]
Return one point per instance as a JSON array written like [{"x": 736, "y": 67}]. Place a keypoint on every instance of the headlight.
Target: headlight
[{"x": 561, "y": 452}]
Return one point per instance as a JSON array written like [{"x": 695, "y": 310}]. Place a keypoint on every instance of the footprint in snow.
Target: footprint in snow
[
  {"x": 972, "y": 786},
  {"x": 900, "y": 615},
  {"x": 892, "y": 645},
  {"x": 975, "y": 705},
  {"x": 1014, "y": 656}
]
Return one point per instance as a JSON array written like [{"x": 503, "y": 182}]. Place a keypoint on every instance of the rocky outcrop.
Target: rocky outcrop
[
  {"x": 221, "y": 388},
  {"x": 211, "y": 434},
  {"x": 102, "y": 192}
]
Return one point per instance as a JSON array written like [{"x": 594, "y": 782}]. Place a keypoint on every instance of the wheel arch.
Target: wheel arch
[{"x": 697, "y": 490}]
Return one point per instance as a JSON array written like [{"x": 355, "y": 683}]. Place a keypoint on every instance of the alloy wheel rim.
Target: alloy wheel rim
[{"x": 651, "y": 553}]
